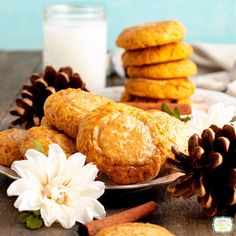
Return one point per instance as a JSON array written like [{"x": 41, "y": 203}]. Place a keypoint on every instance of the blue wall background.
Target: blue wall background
[{"x": 206, "y": 20}]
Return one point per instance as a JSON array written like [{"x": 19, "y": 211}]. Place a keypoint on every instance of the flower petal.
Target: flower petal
[
  {"x": 36, "y": 170},
  {"x": 57, "y": 159},
  {"x": 88, "y": 209},
  {"x": 28, "y": 201},
  {"x": 202, "y": 120},
  {"x": 55, "y": 152},
  {"x": 49, "y": 211},
  {"x": 72, "y": 167},
  {"x": 31, "y": 154},
  {"x": 21, "y": 185},
  {"x": 67, "y": 217},
  {"x": 83, "y": 177},
  {"x": 95, "y": 190}
]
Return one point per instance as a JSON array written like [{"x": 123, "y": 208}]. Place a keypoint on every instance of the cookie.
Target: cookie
[
  {"x": 9, "y": 146},
  {"x": 45, "y": 122},
  {"x": 66, "y": 108},
  {"x": 46, "y": 136},
  {"x": 178, "y": 131},
  {"x": 168, "y": 70},
  {"x": 123, "y": 142},
  {"x": 131, "y": 98},
  {"x": 134, "y": 229},
  {"x": 161, "y": 89},
  {"x": 166, "y": 53},
  {"x": 151, "y": 35}
]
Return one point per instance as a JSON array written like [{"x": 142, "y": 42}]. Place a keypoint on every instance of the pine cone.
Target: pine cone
[
  {"x": 30, "y": 105},
  {"x": 210, "y": 170}
]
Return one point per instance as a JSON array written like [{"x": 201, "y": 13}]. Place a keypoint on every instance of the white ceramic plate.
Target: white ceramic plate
[
  {"x": 163, "y": 178},
  {"x": 202, "y": 99}
]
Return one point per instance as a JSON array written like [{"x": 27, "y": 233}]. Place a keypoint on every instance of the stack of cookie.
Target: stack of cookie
[{"x": 156, "y": 63}]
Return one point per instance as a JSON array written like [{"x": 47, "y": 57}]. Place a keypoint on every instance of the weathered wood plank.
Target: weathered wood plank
[{"x": 15, "y": 68}]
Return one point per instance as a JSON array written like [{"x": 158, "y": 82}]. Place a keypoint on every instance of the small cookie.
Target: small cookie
[
  {"x": 66, "y": 108},
  {"x": 168, "y": 70},
  {"x": 178, "y": 131},
  {"x": 45, "y": 122},
  {"x": 134, "y": 229},
  {"x": 131, "y": 98},
  {"x": 46, "y": 136},
  {"x": 123, "y": 142},
  {"x": 166, "y": 53},
  {"x": 161, "y": 89},
  {"x": 9, "y": 146},
  {"x": 151, "y": 35}
]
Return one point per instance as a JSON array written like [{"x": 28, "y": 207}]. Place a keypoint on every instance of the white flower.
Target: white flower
[
  {"x": 62, "y": 189},
  {"x": 218, "y": 114}
]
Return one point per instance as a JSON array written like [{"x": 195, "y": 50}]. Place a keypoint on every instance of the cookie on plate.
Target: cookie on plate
[
  {"x": 123, "y": 142},
  {"x": 46, "y": 136},
  {"x": 9, "y": 146},
  {"x": 153, "y": 55},
  {"x": 151, "y": 34},
  {"x": 168, "y": 70},
  {"x": 178, "y": 131},
  {"x": 66, "y": 108},
  {"x": 161, "y": 89},
  {"x": 134, "y": 229},
  {"x": 45, "y": 122}
]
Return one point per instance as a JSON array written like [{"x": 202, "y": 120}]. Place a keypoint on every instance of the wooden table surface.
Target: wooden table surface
[{"x": 181, "y": 217}]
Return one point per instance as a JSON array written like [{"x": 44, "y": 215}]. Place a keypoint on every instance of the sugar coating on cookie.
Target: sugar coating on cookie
[
  {"x": 45, "y": 122},
  {"x": 9, "y": 146},
  {"x": 159, "y": 54},
  {"x": 168, "y": 70},
  {"x": 161, "y": 89},
  {"x": 66, "y": 108},
  {"x": 123, "y": 142},
  {"x": 46, "y": 135},
  {"x": 178, "y": 131},
  {"x": 151, "y": 34},
  {"x": 134, "y": 229}
]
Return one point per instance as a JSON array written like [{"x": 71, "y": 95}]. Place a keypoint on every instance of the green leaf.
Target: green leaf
[
  {"x": 185, "y": 119},
  {"x": 33, "y": 222},
  {"x": 166, "y": 109},
  {"x": 37, "y": 213},
  {"x": 23, "y": 216},
  {"x": 176, "y": 112},
  {"x": 38, "y": 146}
]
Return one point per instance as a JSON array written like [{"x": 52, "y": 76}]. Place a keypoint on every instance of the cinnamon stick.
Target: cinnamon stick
[
  {"x": 185, "y": 109},
  {"x": 127, "y": 216}
]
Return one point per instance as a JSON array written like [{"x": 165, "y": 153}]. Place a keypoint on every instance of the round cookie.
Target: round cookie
[
  {"x": 166, "y": 53},
  {"x": 151, "y": 34},
  {"x": 45, "y": 122},
  {"x": 132, "y": 98},
  {"x": 178, "y": 132},
  {"x": 66, "y": 108},
  {"x": 161, "y": 89},
  {"x": 168, "y": 70},
  {"x": 134, "y": 229},
  {"x": 9, "y": 146},
  {"x": 46, "y": 136},
  {"x": 123, "y": 142}
]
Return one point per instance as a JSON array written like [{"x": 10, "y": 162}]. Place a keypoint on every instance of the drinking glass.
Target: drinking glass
[{"x": 76, "y": 35}]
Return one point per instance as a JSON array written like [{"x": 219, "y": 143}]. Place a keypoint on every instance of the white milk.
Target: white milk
[{"x": 79, "y": 43}]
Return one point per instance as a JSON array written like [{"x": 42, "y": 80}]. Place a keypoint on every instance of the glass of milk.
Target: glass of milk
[{"x": 76, "y": 35}]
